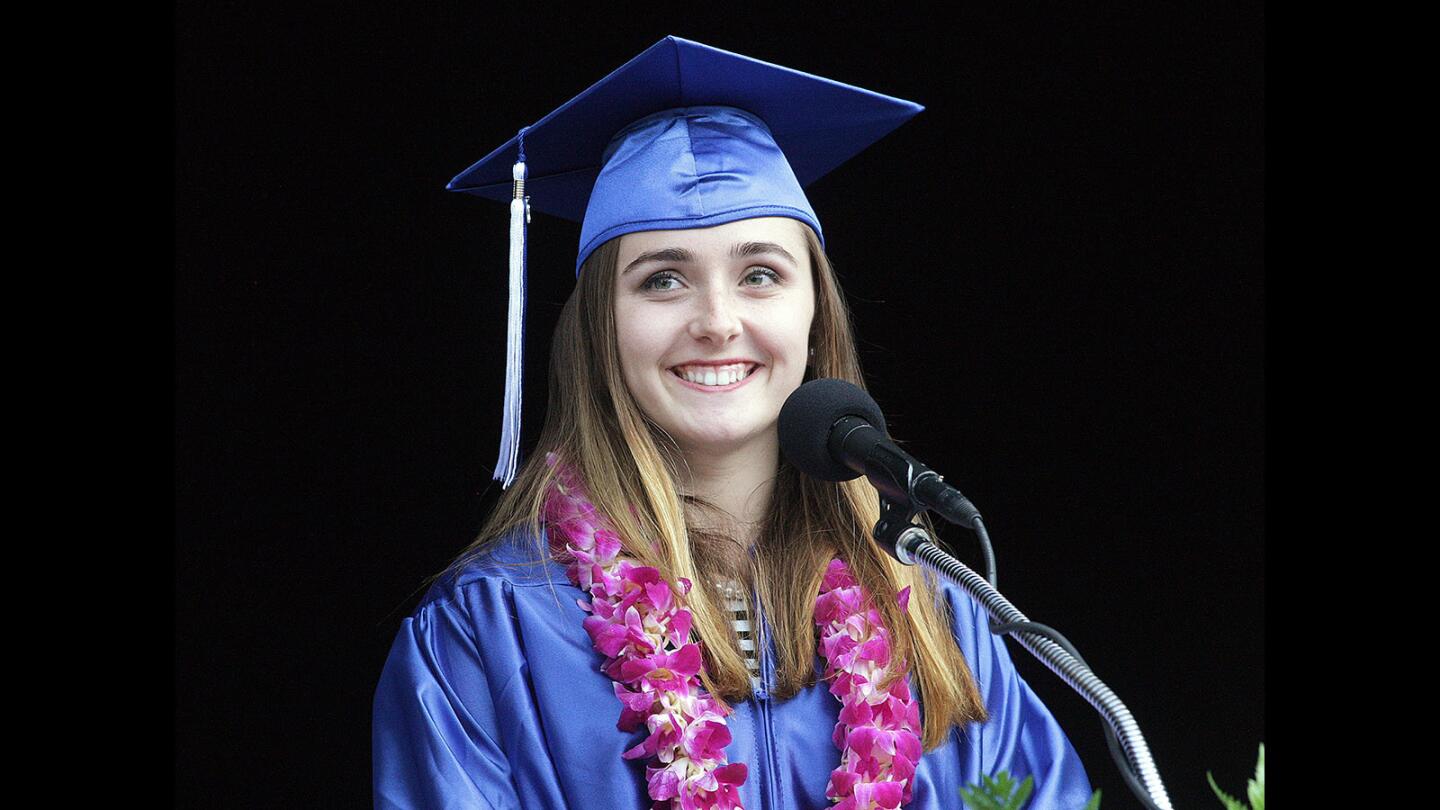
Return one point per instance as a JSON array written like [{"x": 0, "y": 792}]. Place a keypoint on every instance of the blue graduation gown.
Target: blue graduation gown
[{"x": 492, "y": 698}]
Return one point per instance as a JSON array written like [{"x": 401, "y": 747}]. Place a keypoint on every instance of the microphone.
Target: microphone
[{"x": 832, "y": 430}]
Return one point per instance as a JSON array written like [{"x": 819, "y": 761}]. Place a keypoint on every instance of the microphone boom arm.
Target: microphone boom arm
[{"x": 911, "y": 544}]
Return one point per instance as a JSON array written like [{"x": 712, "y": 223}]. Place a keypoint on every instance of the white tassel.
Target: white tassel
[{"x": 515, "y": 333}]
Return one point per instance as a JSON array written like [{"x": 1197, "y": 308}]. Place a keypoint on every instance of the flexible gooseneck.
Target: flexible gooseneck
[{"x": 913, "y": 545}]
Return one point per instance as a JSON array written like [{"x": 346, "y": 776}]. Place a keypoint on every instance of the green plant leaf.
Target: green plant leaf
[
  {"x": 977, "y": 799},
  {"x": 998, "y": 793},
  {"x": 1018, "y": 800},
  {"x": 1230, "y": 802},
  {"x": 981, "y": 796},
  {"x": 1255, "y": 790},
  {"x": 1094, "y": 803},
  {"x": 1002, "y": 786}
]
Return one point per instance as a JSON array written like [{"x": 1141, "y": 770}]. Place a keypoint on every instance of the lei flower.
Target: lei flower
[
  {"x": 878, "y": 729},
  {"x": 639, "y": 623}
]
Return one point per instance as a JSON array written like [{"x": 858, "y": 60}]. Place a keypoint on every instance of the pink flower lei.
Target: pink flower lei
[{"x": 639, "y": 623}]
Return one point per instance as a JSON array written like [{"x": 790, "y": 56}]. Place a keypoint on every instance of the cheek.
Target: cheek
[
  {"x": 800, "y": 324},
  {"x": 639, "y": 343}
]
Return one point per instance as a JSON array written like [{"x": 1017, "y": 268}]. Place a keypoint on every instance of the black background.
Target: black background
[{"x": 1056, "y": 273}]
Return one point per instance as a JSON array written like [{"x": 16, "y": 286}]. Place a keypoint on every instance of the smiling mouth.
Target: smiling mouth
[{"x": 713, "y": 376}]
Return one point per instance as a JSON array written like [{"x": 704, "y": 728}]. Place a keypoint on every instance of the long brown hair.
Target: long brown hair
[{"x": 629, "y": 467}]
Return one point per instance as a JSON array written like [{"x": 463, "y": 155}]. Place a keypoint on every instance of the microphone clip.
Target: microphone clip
[{"x": 895, "y": 531}]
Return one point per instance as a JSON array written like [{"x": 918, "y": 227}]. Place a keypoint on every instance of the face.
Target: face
[{"x": 728, "y": 307}]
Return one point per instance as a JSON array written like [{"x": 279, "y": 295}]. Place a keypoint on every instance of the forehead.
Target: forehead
[{"x": 718, "y": 239}]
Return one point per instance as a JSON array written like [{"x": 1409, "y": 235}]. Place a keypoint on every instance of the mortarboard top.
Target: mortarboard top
[
  {"x": 817, "y": 123},
  {"x": 682, "y": 136}
]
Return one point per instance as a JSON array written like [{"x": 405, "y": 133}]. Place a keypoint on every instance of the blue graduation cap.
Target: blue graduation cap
[{"x": 682, "y": 136}]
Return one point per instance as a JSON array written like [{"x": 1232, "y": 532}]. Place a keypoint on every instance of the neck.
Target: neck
[{"x": 739, "y": 483}]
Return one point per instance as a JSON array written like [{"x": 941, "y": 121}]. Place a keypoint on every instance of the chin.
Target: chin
[{"x": 722, "y": 442}]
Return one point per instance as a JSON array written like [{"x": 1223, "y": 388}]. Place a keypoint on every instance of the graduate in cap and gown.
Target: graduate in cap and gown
[{"x": 661, "y": 611}]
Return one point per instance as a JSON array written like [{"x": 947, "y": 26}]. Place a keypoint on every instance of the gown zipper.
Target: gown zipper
[{"x": 762, "y": 702}]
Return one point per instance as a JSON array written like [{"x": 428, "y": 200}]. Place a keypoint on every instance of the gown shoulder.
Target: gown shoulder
[{"x": 518, "y": 558}]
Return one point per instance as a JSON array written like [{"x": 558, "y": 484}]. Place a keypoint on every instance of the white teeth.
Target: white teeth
[{"x": 710, "y": 375}]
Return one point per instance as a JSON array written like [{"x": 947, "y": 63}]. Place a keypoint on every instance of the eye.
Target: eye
[
  {"x": 655, "y": 282},
  {"x": 763, "y": 272}
]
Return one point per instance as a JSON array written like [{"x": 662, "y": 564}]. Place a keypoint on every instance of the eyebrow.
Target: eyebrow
[{"x": 681, "y": 255}]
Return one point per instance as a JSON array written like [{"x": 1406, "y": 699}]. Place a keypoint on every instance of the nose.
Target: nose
[{"x": 717, "y": 318}]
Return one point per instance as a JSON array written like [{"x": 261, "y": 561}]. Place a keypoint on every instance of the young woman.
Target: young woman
[{"x": 661, "y": 610}]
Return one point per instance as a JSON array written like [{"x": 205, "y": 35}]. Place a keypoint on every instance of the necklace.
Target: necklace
[
  {"x": 730, "y": 589},
  {"x": 639, "y": 623}
]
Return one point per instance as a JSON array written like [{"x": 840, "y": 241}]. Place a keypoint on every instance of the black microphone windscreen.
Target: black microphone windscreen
[{"x": 806, "y": 419}]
